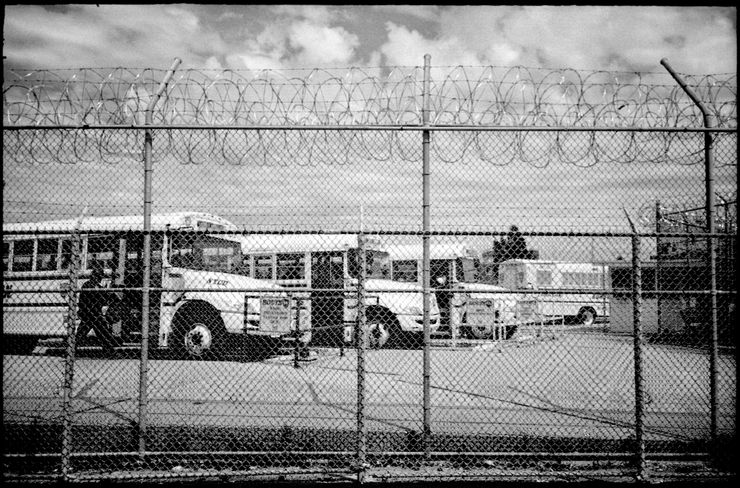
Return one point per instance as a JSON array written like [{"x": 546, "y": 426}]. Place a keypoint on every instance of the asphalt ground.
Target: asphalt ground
[{"x": 571, "y": 392}]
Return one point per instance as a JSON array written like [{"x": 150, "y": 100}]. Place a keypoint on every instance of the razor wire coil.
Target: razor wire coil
[{"x": 516, "y": 97}]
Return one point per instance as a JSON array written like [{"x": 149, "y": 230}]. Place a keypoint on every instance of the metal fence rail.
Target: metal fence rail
[{"x": 371, "y": 278}]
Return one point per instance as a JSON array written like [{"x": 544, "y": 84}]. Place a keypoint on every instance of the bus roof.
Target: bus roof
[
  {"x": 297, "y": 243},
  {"x": 436, "y": 251},
  {"x": 561, "y": 264},
  {"x": 159, "y": 222}
]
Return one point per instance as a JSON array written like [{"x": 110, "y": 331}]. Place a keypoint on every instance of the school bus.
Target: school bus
[
  {"x": 324, "y": 269},
  {"x": 576, "y": 291},
  {"x": 468, "y": 307},
  {"x": 199, "y": 301}
]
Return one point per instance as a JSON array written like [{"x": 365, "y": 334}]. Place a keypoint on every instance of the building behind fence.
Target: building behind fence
[{"x": 263, "y": 321}]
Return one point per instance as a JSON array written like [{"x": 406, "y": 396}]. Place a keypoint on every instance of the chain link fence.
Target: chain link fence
[{"x": 398, "y": 274}]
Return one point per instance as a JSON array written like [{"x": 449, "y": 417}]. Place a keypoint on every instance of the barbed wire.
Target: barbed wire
[
  {"x": 483, "y": 96},
  {"x": 676, "y": 211}
]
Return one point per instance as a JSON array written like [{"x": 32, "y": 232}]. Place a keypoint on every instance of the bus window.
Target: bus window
[
  {"x": 376, "y": 264},
  {"x": 47, "y": 255},
  {"x": 405, "y": 271},
  {"x": 466, "y": 270},
  {"x": 440, "y": 272},
  {"x": 202, "y": 253},
  {"x": 572, "y": 280},
  {"x": 521, "y": 279},
  {"x": 23, "y": 255},
  {"x": 183, "y": 254},
  {"x": 246, "y": 266},
  {"x": 544, "y": 278},
  {"x": 327, "y": 269},
  {"x": 6, "y": 255},
  {"x": 102, "y": 249},
  {"x": 263, "y": 267},
  {"x": 66, "y": 257},
  {"x": 218, "y": 258},
  {"x": 290, "y": 267}
]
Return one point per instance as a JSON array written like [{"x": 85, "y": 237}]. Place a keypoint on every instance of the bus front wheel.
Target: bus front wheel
[
  {"x": 383, "y": 330},
  {"x": 378, "y": 333},
  {"x": 198, "y": 337}
]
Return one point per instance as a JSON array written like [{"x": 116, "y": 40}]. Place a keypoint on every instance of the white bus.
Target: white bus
[
  {"x": 324, "y": 269},
  {"x": 194, "y": 324},
  {"x": 585, "y": 285},
  {"x": 467, "y": 307}
]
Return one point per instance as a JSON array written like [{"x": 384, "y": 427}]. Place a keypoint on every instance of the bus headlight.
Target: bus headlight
[
  {"x": 251, "y": 314},
  {"x": 251, "y": 307}
]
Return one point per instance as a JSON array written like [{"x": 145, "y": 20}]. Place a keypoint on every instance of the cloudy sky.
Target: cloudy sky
[{"x": 697, "y": 40}]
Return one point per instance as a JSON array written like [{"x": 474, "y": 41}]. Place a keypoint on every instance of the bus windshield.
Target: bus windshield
[{"x": 205, "y": 253}]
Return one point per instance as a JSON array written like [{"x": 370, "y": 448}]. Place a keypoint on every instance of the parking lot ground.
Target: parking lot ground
[{"x": 572, "y": 393}]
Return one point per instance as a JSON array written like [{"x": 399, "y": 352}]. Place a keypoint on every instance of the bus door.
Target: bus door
[
  {"x": 441, "y": 281},
  {"x": 327, "y": 298},
  {"x": 132, "y": 263}
]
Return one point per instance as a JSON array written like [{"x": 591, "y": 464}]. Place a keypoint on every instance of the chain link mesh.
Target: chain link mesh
[{"x": 282, "y": 277}]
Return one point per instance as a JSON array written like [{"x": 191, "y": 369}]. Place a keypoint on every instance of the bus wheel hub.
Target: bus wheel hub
[{"x": 198, "y": 339}]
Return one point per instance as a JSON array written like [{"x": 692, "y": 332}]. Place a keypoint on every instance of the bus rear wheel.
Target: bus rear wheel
[
  {"x": 476, "y": 331},
  {"x": 481, "y": 331},
  {"x": 198, "y": 337},
  {"x": 586, "y": 317}
]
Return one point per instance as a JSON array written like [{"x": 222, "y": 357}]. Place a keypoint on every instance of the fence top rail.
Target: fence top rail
[
  {"x": 9, "y": 229},
  {"x": 370, "y": 127}
]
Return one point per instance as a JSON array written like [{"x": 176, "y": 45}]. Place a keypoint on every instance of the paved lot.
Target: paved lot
[{"x": 578, "y": 386}]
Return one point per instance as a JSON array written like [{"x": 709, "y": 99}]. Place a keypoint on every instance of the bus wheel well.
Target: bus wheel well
[
  {"x": 379, "y": 312},
  {"x": 196, "y": 308}
]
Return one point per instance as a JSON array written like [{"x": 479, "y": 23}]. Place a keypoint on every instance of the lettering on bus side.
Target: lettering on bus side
[{"x": 215, "y": 281}]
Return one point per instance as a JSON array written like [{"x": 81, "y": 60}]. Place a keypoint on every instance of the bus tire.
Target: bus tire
[
  {"x": 586, "y": 316},
  {"x": 474, "y": 332},
  {"x": 382, "y": 331},
  {"x": 198, "y": 336},
  {"x": 481, "y": 332}
]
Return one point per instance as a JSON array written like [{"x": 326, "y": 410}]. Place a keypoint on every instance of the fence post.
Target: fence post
[
  {"x": 709, "y": 123},
  {"x": 143, "y": 367},
  {"x": 637, "y": 347},
  {"x": 360, "y": 342},
  {"x": 69, "y": 358},
  {"x": 658, "y": 218},
  {"x": 297, "y": 331},
  {"x": 426, "y": 272}
]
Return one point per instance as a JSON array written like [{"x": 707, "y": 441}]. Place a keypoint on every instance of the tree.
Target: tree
[
  {"x": 515, "y": 246},
  {"x": 511, "y": 246}
]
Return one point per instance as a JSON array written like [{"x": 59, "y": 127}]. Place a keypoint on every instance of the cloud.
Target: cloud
[
  {"x": 699, "y": 40},
  {"x": 704, "y": 40},
  {"x": 114, "y": 35},
  {"x": 322, "y": 45},
  {"x": 423, "y": 12},
  {"x": 302, "y": 37},
  {"x": 408, "y": 47},
  {"x": 254, "y": 62}
]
